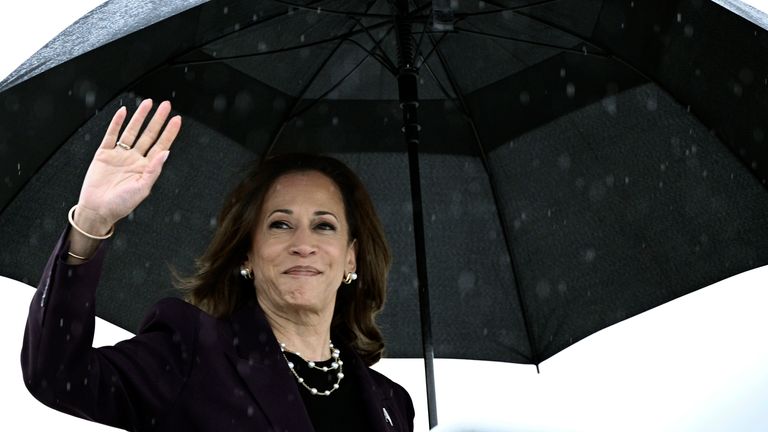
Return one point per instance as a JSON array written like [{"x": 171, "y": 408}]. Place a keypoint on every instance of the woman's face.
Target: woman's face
[{"x": 301, "y": 248}]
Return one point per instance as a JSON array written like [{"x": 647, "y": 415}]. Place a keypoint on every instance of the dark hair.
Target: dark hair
[{"x": 218, "y": 288}]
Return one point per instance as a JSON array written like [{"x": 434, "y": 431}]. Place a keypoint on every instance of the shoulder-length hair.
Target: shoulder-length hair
[{"x": 218, "y": 288}]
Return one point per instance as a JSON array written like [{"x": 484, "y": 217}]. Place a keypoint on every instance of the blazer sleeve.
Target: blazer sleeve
[{"x": 127, "y": 385}]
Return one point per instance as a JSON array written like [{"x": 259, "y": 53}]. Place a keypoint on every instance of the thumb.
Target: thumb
[{"x": 155, "y": 166}]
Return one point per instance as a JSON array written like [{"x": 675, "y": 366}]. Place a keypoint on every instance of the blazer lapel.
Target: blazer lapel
[
  {"x": 260, "y": 363},
  {"x": 374, "y": 397}
]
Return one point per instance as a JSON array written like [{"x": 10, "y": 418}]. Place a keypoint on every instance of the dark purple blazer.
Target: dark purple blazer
[{"x": 183, "y": 371}]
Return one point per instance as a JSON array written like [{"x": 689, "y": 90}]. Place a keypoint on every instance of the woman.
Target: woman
[{"x": 278, "y": 331}]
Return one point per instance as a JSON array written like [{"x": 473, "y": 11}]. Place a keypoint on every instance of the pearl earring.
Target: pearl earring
[
  {"x": 246, "y": 273},
  {"x": 349, "y": 278}
]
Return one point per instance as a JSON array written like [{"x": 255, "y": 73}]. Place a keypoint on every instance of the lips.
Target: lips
[{"x": 302, "y": 271}]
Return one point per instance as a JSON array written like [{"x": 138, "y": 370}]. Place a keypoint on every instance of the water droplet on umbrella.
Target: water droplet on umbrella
[
  {"x": 525, "y": 97},
  {"x": 570, "y": 90},
  {"x": 651, "y": 104},
  {"x": 543, "y": 289},
  {"x": 220, "y": 103}
]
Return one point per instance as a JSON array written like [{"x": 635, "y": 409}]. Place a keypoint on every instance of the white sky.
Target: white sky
[{"x": 696, "y": 364}]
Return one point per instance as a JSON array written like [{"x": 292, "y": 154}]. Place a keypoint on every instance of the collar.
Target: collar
[{"x": 261, "y": 365}]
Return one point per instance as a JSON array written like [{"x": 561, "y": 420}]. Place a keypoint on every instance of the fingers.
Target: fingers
[
  {"x": 134, "y": 126},
  {"x": 153, "y": 169},
  {"x": 153, "y": 129},
  {"x": 166, "y": 138},
  {"x": 110, "y": 138}
]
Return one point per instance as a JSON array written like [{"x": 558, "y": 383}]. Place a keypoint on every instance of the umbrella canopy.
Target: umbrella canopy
[{"x": 581, "y": 161}]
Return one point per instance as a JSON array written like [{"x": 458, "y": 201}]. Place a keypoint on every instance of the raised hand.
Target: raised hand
[{"x": 123, "y": 170}]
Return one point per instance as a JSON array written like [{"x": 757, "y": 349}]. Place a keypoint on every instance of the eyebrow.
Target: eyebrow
[{"x": 290, "y": 212}]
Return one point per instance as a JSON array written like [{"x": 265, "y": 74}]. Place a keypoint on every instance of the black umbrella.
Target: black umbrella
[{"x": 579, "y": 161}]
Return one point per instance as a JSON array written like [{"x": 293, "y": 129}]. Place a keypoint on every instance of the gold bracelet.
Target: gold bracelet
[
  {"x": 77, "y": 256},
  {"x": 71, "y": 218}
]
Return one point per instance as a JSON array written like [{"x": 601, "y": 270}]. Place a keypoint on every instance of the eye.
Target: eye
[
  {"x": 279, "y": 225},
  {"x": 326, "y": 226}
]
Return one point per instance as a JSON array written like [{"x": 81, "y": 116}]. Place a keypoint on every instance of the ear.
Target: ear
[{"x": 352, "y": 256}]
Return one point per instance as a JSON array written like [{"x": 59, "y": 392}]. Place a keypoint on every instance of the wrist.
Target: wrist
[{"x": 90, "y": 223}]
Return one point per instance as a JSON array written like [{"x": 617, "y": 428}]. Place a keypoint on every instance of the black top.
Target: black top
[{"x": 343, "y": 409}]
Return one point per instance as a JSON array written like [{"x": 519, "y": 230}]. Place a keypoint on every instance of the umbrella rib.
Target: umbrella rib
[
  {"x": 536, "y": 43},
  {"x": 495, "y": 194},
  {"x": 334, "y": 87},
  {"x": 503, "y": 8},
  {"x": 291, "y": 112},
  {"x": 320, "y": 10},
  {"x": 346, "y": 35},
  {"x": 384, "y": 59},
  {"x": 230, "y": 33}
]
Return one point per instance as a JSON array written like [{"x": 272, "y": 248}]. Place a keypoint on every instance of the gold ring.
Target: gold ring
[{"x": 123, "y": 146}]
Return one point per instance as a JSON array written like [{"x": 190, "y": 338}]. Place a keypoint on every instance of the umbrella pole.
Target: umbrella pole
[{"x": 407, "y": 80}]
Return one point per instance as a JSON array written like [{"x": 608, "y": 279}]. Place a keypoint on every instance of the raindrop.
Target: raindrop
[
  {"x": 131, "y": 216},
  {"x": 212, "y": 222},
  {"x": 737, "y": 89},
  {"x": 525, "y": 97},
  {"x": 746, "y": 76},
  {"x": 570, "y": 90},
  {"x": 69, "y": 386},
  {"x": 301, "y": 37},
  {"x": 237, "y": 26},
  {"x": 651, "y": 104},
  {"x": 335, "y": 121},
  {"x": 562, "y": 287},
  {"x": 466, "y": 282},
  {"x": 226, "y": 10},
  {"x": 584, "y": 49},
  {"x": 90, "y": 98},
  {"x": 679, "y": 17},
  {"x": 697, "y": 72},
  {"x": 177, "y": 216},
  {"x": 704, "y": 173},
  {"x": 589, "y": 255},
  {"x": 562, "y": 72},
  {"x": 688, "y": 30},
  {"x": 609, "y": 181},
  {"x": 261, "y": 46},
  {"x": 753, "y": 164},
  {"x": 661, "y": 184},
  {"x": 250, "y": 411},
  {"x": 543, "y": 289},
  {"x": 609, "y": 103},
  {"x": 596, "y": 192},
  {"x": 564, "y": 161},
  {"x": 18, "y": 167},
  {"x": 219, "y": 103},
  {"x": 173, "y": 93},
  {"x": 61, "y": 322}
]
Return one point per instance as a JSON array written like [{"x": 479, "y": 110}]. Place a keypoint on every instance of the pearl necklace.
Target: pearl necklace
[{"x": 337, "y": 364}]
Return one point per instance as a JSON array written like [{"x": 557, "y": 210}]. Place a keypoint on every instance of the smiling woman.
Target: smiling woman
[{"x": 278, "y": 332}]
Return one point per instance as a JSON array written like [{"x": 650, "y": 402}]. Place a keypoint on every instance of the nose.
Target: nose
[{"x": 302, "y": 244}]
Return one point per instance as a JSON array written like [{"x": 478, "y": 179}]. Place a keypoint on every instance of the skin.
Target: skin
[
  {"x": 300, "y": 252},
  {"x": 118, "y": 180}
]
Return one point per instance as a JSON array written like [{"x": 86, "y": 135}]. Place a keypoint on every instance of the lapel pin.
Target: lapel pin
[{"x": 387, "y": 417}]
